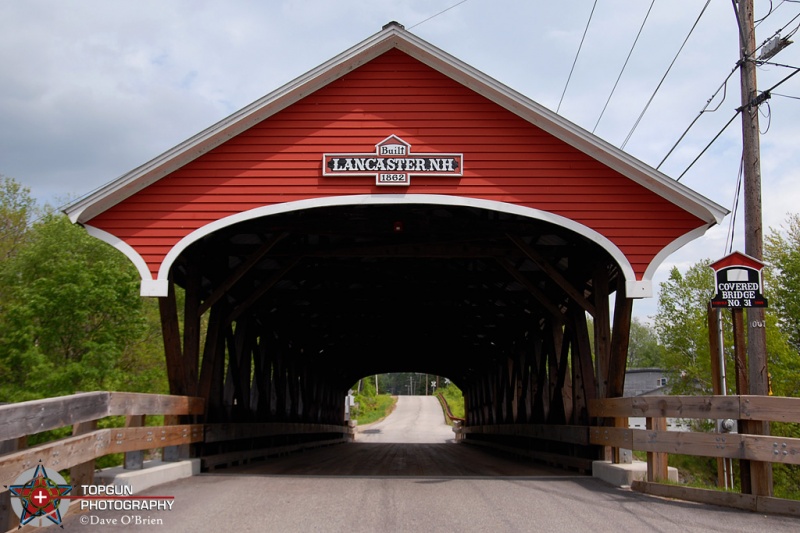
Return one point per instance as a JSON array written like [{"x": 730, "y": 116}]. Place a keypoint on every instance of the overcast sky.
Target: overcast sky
[{"x": 90, "y": 89}]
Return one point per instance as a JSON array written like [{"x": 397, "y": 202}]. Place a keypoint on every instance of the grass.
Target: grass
[{"x": 373, "y": 408}]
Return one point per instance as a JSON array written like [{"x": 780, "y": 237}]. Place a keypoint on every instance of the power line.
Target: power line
[
  {"x": 796, "y": 70},
  {"x": 762, "y": 97},
  {"x": 783, "y": 28},
  {"x": 638, "y": 120},
  {"x": 771, "y": 9},
  {"x": 734, "y": 208},
  {"x": 625, "y": 65},
  {"x": 436, "y": 15},
  {"x": 725, "y": 84},
  {"x": 576, "y": 56},
  {"x": 768, "y": 116},
  {"x": 710, "y": 143},
  {"x": 702, "y": 111}
]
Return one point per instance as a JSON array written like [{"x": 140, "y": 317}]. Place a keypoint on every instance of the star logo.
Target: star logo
[{"x": 39, "y": 494}]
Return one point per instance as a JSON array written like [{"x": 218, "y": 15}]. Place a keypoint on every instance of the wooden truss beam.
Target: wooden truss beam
[
  {"x": 261, "y": 290},
  {"x": 537, "y": 293},
  {"x": 237, "y": 274},
  {"x": 554, "y": 274}
]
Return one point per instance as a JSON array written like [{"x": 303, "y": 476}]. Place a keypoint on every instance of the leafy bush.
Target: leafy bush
[
  {"x": 370, "y": 406},
  {"x": 454, "y": 398}
]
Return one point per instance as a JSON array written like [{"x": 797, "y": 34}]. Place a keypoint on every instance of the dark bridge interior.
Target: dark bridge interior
[
  {"x": 374, "y": 289},
  {"x": 305, "y": 303}
]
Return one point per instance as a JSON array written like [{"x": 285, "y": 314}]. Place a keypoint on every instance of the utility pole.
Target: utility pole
[{"x": 754, "y": 242}]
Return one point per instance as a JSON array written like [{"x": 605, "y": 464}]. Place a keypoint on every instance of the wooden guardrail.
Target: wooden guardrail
[
  {"x": 83, "y": 411},
  {"x": 771, "y": 408},
  {"x": 730, "y": 445},
  {"x": 456, "y": 422},
  {"x": 448, "y": 413},
  {"x": 658, "y": 442},
  {"x": 87, "y": 443}
]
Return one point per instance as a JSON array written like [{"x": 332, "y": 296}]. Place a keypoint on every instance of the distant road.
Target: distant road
[{"x": 415, "y": 420}]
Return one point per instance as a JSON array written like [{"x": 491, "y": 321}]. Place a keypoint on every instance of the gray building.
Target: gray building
[
  {"x": 641, "y": 381},
  {"x": 650, "y": 382}
]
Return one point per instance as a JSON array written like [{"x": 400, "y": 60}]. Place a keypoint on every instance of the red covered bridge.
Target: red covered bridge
[{"x": 392, "y": 210}]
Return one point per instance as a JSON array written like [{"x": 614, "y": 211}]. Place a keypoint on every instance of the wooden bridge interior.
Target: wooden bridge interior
[{"x": 294, "y": 308}]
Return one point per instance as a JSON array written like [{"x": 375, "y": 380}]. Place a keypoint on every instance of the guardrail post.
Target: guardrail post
[
  {"x": 657, "y": 469},
  {"x": 82, "y": 474},
  {"x": 174, "y": 453},
  {"x": 134, "y": 460},
  {"x": 621, "y": 455},
  {"x": 458, "y": 429},
  {"x": 7, "y": 520}
]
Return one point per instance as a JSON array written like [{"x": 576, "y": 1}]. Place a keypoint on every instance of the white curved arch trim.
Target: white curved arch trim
[
  {"x": 150, "y": 287},
  {"x": 635, "y": 288},
  {"x": 672, "y": 247}
]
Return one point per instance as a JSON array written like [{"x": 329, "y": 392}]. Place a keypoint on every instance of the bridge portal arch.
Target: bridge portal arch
[{"x": 636, "y": 288}]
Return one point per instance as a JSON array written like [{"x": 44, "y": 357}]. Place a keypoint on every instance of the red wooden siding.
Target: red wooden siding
[{"x": 506, "y": 159}]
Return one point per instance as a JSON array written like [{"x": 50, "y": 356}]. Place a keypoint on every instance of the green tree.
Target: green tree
[
  {"x": 782, "y": 279},
  {"x": 643, "y": 348},
  {"x": 782, "y": 254},
  {"x": 17, "y": 207},
  {"x": 141, "y": 366},
  {"x": 682, "y": 327},
  {"x": 71, "y": 317}
]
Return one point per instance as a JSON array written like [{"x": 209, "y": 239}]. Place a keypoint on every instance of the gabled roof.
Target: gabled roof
[
  {"x": 738, "y": 259},
  {"x": 392, "y": 36}
]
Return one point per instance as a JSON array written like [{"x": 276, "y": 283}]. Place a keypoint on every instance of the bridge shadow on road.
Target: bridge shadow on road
[{"x": 396, "y": 459}]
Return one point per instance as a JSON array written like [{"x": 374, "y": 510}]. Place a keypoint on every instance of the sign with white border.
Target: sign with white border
[
  {"x": 392, "y": 163},
  {"x": 737, "y": 282}
]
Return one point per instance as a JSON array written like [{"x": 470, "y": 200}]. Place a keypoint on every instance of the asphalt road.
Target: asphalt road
[
  {"x": 415, "y": 419},
  {"x": 425, "y": 486}
]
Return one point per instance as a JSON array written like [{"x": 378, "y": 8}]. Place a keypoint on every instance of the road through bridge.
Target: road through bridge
[{"x": 429, "y": 483}]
